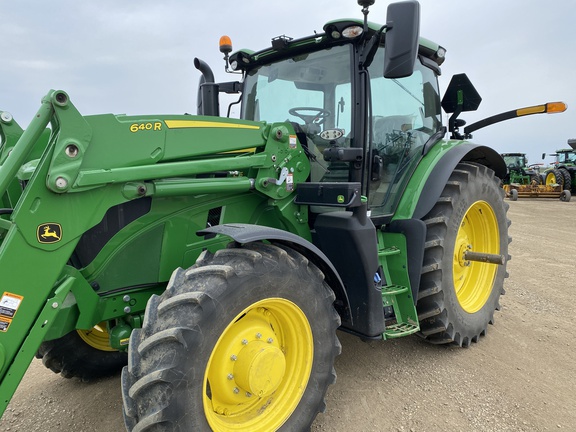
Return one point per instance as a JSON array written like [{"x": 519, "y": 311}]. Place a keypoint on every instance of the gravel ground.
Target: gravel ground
[{"x": 520, "y": 377}]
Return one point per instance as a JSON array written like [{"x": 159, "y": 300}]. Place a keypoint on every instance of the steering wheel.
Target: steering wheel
[{"x": 317, "y": 117}]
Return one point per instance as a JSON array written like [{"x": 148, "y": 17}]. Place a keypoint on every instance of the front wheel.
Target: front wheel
[
  {"x": 458, "y": 297},
  {"x": 245, "y": 340}
]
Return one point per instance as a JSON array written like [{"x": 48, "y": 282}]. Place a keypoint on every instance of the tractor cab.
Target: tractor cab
[
  {"x": 518, "y": 171},
  {"x": 363, "y": 100}
]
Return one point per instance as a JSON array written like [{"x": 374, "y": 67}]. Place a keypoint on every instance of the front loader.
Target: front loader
[{"x": 213, "y": 259}]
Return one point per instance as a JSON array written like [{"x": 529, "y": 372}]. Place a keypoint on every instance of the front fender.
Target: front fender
[
  {"x": 435, "y": 169},
  {"x": 247, "y": 233}
]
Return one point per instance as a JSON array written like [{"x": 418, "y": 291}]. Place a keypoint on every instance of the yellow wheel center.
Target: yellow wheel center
[
  {"x": 478, "y": 232},
  {"x": 260, "y": 368}
]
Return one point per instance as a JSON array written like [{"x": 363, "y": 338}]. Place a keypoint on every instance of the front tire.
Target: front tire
[
  {"x": 244, "y": 340},
  {"x": 457, "y": 298}
]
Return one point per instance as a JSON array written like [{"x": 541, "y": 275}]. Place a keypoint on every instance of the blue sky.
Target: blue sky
[{"x": 137, "y": 57}]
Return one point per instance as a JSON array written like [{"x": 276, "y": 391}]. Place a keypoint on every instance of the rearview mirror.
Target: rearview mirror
[{"x": 402, "y": 32}]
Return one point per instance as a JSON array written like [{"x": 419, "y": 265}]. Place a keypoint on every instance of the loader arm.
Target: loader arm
[{"x": 157, "y": 180}]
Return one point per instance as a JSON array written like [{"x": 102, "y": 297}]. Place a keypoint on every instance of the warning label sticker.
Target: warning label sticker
[
  {"x": 4, "y": 324},
  {"x": 9, "y": 304}
]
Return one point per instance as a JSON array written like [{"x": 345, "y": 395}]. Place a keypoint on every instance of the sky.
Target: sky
[{"x": 136, "y": 57}]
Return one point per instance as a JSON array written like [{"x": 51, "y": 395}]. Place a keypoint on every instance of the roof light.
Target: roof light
[
  {"x": 225, "y": 45},
  {"x": 352, "y": 31},
  {"x": 441, "y": 53}
]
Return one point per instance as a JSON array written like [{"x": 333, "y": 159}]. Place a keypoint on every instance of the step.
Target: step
[
  {"x": 392, "y": 290},
  {"x": 400, "y": 330}
]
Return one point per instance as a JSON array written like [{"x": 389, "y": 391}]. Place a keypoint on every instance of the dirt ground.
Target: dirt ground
[{"x": 520, "y": 377}]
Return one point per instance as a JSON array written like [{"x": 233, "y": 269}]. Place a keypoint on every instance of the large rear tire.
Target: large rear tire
[
  {"x": 85, "y": 354},
  {"x": 554, "y": 177},
  {"x": 245, "y": 340},
  {"x": 457, "y": 298},
  {"x": 567, "y": 183}
]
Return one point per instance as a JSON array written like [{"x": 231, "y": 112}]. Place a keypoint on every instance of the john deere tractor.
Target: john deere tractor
[
  {"x": 214, "y": 259},
  {"x": 518, "y": 170},
  {"x": 563, "y": 171}
]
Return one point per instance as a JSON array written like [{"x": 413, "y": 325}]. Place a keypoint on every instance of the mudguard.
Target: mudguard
[
  {"x": 247, "y": 233},
  {"x": 436, "y": 180}
]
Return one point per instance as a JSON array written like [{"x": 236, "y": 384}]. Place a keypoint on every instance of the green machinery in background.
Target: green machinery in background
[{"x": 563, "y": 170}]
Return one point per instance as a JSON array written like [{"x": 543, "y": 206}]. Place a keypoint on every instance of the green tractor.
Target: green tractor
[
  {"x": 213, "y": 260},
  {"x": 518, "y": 171},
  {"x": 563, "y": 171}
]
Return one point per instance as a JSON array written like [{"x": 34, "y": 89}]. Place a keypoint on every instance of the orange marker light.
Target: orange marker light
[
  {"x": 550, "y": 108},
  {"x": 225, "y": 45},
  {"x": 556, "y": 107}
]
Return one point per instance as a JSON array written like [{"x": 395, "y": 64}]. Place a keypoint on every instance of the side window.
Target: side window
[{"x": 405, "y": 115}]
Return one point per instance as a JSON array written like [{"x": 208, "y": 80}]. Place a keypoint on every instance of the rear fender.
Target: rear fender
[
  {"x": 247, "y": 233},
  {"x": 435, "y": 170}
]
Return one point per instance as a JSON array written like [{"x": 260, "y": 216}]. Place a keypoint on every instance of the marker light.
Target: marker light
[
  {"x": 352, "y": 32},
  {"x": 556, "y": 107},
  {"x": 550, "y": 108}
]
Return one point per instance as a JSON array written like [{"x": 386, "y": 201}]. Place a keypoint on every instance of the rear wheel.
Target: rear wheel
[
  {"x": 457, "y": 298},
  {"x": 553, "y": 177},
  {"x": 85, "y": 354},
  {"x": 244, "y": 340},
  {"x": 567, "y": 179}
]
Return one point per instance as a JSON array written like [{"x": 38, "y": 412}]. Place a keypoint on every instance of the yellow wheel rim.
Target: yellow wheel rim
[
  {"x": 97, "y": 337},
  {"x": 473, "y": 280},
  {"x": 551, "y": 179},
  {"x": 259, "y": 368}
]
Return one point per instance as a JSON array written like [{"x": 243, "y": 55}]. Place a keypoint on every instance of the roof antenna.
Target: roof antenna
[{"x": 365, "y": 4}]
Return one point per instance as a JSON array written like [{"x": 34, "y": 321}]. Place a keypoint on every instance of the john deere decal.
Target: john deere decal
[{"x": 49, "y": 233}]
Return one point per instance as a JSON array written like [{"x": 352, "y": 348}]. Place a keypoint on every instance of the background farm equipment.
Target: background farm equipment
[
  {"x": 524, "y": 181},
  {"x": 563, "y": 170},
  {"x": 533, "y": 190},
  {"x": 518, "y": 171}
]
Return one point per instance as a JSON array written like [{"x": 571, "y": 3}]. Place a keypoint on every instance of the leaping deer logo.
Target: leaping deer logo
[{"x": 49, "y": 233}]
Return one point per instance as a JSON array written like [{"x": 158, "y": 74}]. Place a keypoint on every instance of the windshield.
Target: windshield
[
  {"x": 514, "y": 161},
  {"x": 567, "y": 157},
  {"x": 313, "y": 92}
]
